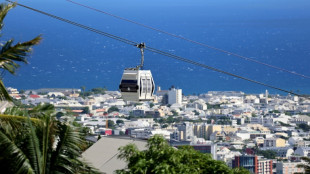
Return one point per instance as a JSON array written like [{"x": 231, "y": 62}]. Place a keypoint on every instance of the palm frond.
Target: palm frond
[
  {"x": 66, "y": 156},
  {"x": 40, "y": 110},
  {"x": 4, "y": 95},
  {"x": 14, "y": 125},
  {"x": 34, "y": 149},
  {"x": 45, "y": 141},
  {"x": 19, "y": 52},
  {"x": 12, "y": 118},
  {"x": 4, "y": 9},
  {"x": 12, "y": 159},
  {"x": 15, "y": 111}
]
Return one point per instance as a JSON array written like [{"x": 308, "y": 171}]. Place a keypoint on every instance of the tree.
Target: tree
[
  {"x": 175, "y": 113},
  {"x": 196, "y": 112},
  {"x": 162, "y": 158},
  {"x": 151, "y": 105},
  {"x": 111, "y": 124},
  {"x": 170, "y": 120},
  {"x": 112, "y": 109},
  {"x": 83, "y": 90},
  {"x": 119, "y": 122},
  {"x": 269, "y": 154},
  {"x": 304, "y": 127},
  {"x": 59, "y": 114},
  {"x": 86, "y": 110},
  {"x": 28, "y": 143},
  {"x": 306, "y": 166},
  {"x": 34, "y": 141},
  {"x": 99, "y": 90},
  {"x": 10, "y": 54},
  {"x": 99, "y": 137}
]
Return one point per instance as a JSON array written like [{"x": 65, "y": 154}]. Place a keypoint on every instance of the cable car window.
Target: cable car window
[
  {"x": 153, "y": 86},
  {"x": 128, "y": 86},
  {"x": 143, "y": 85},
  {"x": 140, "y": 86},
  {"x": 149, "y": 85}
]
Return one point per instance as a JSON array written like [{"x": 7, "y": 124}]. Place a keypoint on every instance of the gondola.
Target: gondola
[{"x": 137, "y": 84}]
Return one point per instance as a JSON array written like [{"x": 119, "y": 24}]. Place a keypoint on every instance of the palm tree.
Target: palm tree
[
  {"x": 83, "y": 89},
  {"x": 36, "y": 142},
  {"x": 10, "y": 53}
]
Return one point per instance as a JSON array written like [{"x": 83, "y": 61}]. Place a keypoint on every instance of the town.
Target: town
[{"x": 263, "y": 133}]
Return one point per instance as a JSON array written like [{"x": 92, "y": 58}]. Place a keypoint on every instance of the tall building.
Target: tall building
[
  {"x": 253, "y": 164},
  {"x": 174, "y": 96},
  {"x": 288, "y": 168},
  {"x": 184, "y": 132},
  {"x": 204, "y": 130}
]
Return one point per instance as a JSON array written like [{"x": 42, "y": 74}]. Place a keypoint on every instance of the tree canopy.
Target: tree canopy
[
  {"x": 112, "y": 109},
  {"x": 160, "y": 157}
]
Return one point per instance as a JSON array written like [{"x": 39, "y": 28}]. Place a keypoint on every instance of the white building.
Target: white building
[
  {"x": 288, "y": 168},
  {"x": 174, "y": 96},
  {"x": 302, "y": 151}
]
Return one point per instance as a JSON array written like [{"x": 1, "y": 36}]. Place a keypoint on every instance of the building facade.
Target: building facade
[
  {"x": 174, "y": 96},
  {"x": 253, "y": 164}
]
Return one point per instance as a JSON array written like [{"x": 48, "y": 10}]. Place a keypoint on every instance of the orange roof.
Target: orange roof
[
  {"x": 100, "y": 110},
  {"x": 77, "y": 111}
]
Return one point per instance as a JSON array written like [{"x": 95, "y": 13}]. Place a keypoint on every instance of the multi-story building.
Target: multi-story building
[
  {"x": 264, "y": 166},
  {"x": 184, "y": 132},
  {"x": 174, "y": 96},
  {"x": 274, "y": 142},
  {"x": 288, "y": 168},
  {"x": 302, "y": 119},
  {"x": 253, "y": 164},
  {"x": 204, "y": 130}
]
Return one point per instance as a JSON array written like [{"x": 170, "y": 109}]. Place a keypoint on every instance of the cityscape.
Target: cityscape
[
  {"x": 263, "y": 133},
  {"x": 159, "y": 87}
]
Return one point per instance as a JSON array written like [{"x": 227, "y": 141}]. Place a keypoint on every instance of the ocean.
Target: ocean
[{"x": 271, "y": 31}]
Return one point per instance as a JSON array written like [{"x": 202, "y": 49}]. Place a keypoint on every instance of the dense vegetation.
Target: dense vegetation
[{"x": 160, "y": 157}]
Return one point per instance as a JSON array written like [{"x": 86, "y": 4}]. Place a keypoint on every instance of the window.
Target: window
[
  {"x": 149, "y": 85},
  {"x": 128, "y": 86},
  {"x": 144, "y": 85}
]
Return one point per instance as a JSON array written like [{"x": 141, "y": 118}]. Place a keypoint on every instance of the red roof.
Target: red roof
[{"x": 34, "y": 96}]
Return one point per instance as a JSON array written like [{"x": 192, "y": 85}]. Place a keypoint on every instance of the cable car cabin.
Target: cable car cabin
[{"x": 137, "y": 85}]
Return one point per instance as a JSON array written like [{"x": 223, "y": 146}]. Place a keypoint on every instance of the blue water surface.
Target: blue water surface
[{"x": 271, "y": 31}]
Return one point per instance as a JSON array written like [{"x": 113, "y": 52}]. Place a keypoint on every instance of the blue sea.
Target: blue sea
[{"x": 276, "y": 32}]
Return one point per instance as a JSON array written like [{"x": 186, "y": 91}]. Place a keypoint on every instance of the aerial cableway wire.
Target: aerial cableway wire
[
  {"x": 193, "y": 41},
  {"x": 155, "y": 50}
]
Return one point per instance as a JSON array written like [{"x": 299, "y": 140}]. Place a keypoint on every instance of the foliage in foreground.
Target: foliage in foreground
[
  {"x": 35, "y": 142},
  {"x": 11, "y": 53},
  {"x": 160, "y": 157}
]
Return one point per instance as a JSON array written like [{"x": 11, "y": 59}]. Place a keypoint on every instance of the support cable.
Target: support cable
[
  {"x": 155, "y": 50},
  {"x": 193, "y": 41}
]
